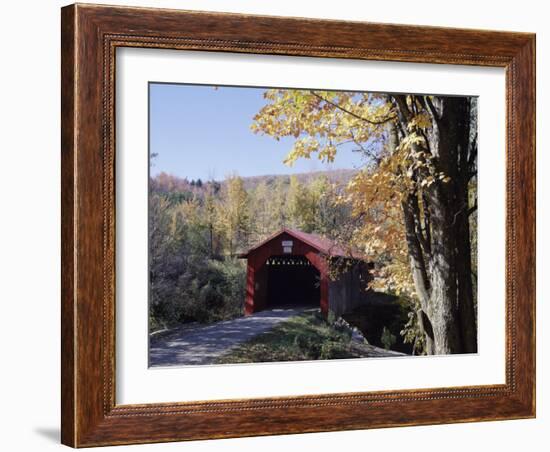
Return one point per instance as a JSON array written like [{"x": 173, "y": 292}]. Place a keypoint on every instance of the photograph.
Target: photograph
[{"x": 294, "y": 224}]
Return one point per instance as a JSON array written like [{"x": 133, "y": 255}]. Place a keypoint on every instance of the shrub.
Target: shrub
[{"x": 387, "y": 338}]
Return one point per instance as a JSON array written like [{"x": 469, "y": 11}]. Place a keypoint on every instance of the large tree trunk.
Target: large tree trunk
[
  {"x": 419, "y": 272},
  {"x": 439, "y": 243},
  {"x": 466, "y": 308},
  {"x": 467, "y": 152},
  {"x": 443, "y": 311}
]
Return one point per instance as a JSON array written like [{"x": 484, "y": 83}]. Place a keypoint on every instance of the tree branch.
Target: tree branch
[
  {"x": 428, "y": 149},
  {"x": 427, "y": 222},
  {"x": 345, "y": 110},
  {"x": 421, "y": 233},
  {"x": 473, "y": 152},
  {"x": 432, "y": 108},
  {"x": 402, "y": 104}
]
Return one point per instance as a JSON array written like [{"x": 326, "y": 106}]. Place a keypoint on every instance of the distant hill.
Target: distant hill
[
  {"x": 168, "y": 183},
  {"x": 339, "y": 176}
]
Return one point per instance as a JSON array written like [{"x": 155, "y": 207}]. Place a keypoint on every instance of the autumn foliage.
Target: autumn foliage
[{"x": 414, "y": 201}]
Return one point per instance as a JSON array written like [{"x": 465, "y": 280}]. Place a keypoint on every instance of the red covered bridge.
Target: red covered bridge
[{"x": 292, "y": 268}]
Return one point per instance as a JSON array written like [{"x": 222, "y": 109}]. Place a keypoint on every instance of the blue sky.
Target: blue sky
[{"x": 202, "y": 132}]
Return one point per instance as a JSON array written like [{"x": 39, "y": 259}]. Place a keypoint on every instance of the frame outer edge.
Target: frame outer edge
[
  {"x": 68, "y": 230},
  {"x": 534, "y": 225},
  {"x": 86, "y": 420},
  {"x": 525, "y": 61}
]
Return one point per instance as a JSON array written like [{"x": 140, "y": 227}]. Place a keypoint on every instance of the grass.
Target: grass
[{"x": 302, "y": 338}]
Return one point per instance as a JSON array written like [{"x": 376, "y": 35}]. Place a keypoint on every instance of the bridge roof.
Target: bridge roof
[{"x": 322, "y": 244}]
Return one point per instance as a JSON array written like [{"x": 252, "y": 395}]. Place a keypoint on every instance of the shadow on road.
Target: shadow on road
[{"x": 203, "y": 344}]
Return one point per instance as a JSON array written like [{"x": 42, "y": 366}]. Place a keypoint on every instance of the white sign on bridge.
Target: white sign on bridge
[{"x": 287, "y": 246}]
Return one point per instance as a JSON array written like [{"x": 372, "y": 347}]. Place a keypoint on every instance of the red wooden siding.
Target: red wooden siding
[{"x": 256, "y": 287}]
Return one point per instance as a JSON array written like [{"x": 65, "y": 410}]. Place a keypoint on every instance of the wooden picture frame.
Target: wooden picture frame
[{"x": 90, "y": 36}]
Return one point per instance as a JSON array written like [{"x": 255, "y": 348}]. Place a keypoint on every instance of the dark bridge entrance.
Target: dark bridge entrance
[{"x": 292, "y": 281}]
